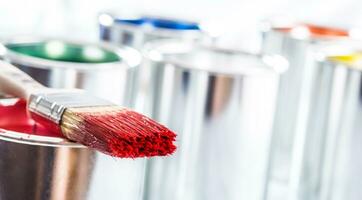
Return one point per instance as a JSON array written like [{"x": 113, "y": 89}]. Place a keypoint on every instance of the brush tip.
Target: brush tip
[{"x": 117, "y": 131}]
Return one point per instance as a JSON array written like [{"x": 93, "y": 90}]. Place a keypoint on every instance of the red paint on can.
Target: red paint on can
[{"x": 14, "y": 117}]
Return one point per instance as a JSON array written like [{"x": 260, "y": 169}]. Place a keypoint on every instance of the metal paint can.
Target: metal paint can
[
  {"x": 221, "y": 104},
  {"x": 35, "y": 164},
  {"x": 136, "y": 31},
  {"x": 331, "y": 158},
  {"x": 101, "y": 69},
  {"x": 296, "y": 42}
]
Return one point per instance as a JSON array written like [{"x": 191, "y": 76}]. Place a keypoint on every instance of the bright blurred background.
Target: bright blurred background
[{"x": 239, "y": 19}]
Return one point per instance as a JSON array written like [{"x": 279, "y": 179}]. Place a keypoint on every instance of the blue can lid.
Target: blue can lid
[{"x": 161, "y": 23}]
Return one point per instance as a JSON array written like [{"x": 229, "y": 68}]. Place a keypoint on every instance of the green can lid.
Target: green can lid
[{"x": 65, "y": 52}]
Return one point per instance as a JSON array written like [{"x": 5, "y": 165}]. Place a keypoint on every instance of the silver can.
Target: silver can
[
  {"x": 221, "y": 104},
  {"x": 101, "y": 69},
  {"x": 295, "y": 42},
  {"x": 35, "y": 164},
  {"x": 332, "y": 163},
  {"x": 136, "y": 31}
]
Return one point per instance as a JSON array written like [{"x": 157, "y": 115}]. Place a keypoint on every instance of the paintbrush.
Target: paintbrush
[{"x": 88, "y": 120}]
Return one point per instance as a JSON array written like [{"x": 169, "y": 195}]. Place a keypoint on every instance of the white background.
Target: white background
[{"x": 238, "y": 19}]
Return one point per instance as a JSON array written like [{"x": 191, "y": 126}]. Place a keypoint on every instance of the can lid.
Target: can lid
[
  {"x": 305, "y": 30},
  {"x": 24, "y": 138},
  {"x": 66, "y": 52},
  {"x": 354, "y": 58},
  {"x": 157, "y": 26},
  {"x": 45, "y": 53},
  {"x": 212, "y": 59},
  {"x": 346, "y": 54},
  {"x": 160, "y": 22}
]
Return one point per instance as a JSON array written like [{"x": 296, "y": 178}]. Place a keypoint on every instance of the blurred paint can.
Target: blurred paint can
[
  {"x": 331, "y": 158},
  {"x": 101, "y": 69},
  {"x": 296, "y": 42},
  {"x": 136, "y": 31},
  {"x": 221, "y": 102}
]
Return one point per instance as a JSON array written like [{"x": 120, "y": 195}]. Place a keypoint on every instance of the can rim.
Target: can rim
[
  {"x": 152, "y": 30},
  {"x": 267, "y": 63},
  {"x": 160, "y": 22},
  {"x": 24, "y": 138},
  {"x": 348, "y": 48},
  {"x": 305, "y": 30},
  {"x": 129, "y": 57}
]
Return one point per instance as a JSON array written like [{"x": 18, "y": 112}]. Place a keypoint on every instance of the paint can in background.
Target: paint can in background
[
  {"x": 136, "y": 31},
  {"x": 295, "y": 41},
  {"x": 221, "y": 104},
  {"x": 331, "y": 160},
  {"x": 101, "y": 69}
]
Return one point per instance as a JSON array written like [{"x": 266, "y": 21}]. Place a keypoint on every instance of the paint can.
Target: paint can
[
  {"x": 331, "y": 158},
  {"x": 136, "y": 31},
  {"x": 35, "y": 164},
  {"x": 101, "y": 69},
  {"x": 296, "y": 42},
  {"x": 221, "y": 104}
]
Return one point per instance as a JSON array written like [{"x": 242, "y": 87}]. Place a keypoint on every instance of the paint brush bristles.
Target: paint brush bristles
[
  {"x": 91, "y": 121},
  {"x": 117, "y": 131}
]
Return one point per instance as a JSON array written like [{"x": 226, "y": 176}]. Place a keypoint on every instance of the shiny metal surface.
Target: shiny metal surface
[
  {"x": 41, "y": 167},
  {"x": 129, "y": 30},
  {"x": 109, "y": 80},
  {"x": 295, "y": 42},
  {"x": 52, "y": 105},
  {"x": 46, "y": 172},
  {"x": 221, "y": 103},
  {"x": 33, "y": 169},
  {"x": 331, "y": 160}
]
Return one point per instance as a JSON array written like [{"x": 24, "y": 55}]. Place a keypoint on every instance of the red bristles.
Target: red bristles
[{"x": 118, "y": 132}]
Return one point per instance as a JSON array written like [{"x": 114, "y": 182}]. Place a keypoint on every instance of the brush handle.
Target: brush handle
[{"x": 15, "y": 82}]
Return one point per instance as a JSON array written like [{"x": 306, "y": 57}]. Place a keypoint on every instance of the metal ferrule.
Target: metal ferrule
[{"x": 51, "y": 105}]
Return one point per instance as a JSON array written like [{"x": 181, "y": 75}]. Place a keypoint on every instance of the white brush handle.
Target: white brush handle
[{"x": 15, "y": 82}]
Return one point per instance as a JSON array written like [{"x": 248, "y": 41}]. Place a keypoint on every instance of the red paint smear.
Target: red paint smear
[
  {"x": 124, "y": 133},
  {"x": 317, "y": 31},
  {"x": 14, "y": 118}
]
